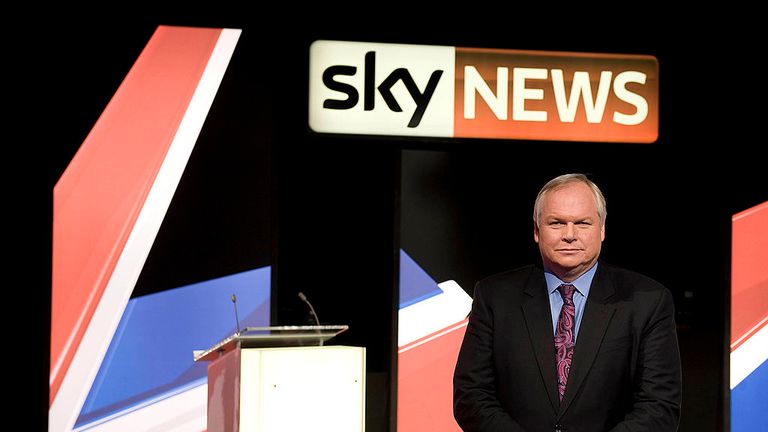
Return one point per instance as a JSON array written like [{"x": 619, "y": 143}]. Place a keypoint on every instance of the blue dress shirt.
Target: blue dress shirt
[{"x": 582, "y": 285}]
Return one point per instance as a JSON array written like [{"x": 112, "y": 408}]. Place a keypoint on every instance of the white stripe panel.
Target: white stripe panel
[
  {"x": 89, "y": 355},
  {"x": 748, "y": 356},
  {"x": 433, "y": 314},
  {"x": 434, "y": 336},
  {"x": 184, "y": 412}
]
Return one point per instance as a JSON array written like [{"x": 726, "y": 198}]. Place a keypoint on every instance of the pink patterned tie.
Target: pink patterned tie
[{"x": 564, "y": 337}]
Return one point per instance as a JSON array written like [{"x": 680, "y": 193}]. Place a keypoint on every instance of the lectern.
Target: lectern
[{"x": 284, "y": 379}]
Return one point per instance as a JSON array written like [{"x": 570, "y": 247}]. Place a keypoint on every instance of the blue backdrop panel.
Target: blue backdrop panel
[{"x": 150, "y": 357}]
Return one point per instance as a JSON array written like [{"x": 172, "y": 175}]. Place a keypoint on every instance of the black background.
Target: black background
[{"x": 331, "y": 206}]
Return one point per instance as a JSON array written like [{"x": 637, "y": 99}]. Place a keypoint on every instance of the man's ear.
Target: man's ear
[{"x": 536, "y": 232}]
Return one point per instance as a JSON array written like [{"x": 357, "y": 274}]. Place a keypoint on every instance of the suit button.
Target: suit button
[{"x": 559, "y": 428}]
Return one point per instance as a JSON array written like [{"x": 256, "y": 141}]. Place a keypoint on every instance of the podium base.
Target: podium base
[{"x": 318, "y": 388}]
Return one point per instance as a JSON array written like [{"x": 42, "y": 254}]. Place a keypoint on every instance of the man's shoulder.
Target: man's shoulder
[
  {"x": 517, "y": 276},
  {"x": 504, "y": 287},
  {"x": 624, "y": 279}
]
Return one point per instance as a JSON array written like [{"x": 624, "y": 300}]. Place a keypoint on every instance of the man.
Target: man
[{"x": 598, "y": 354}]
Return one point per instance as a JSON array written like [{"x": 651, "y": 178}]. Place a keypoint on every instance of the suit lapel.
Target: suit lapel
[
  {"x": 597, "y": 314},
  {"x": 537, "y": 318}
]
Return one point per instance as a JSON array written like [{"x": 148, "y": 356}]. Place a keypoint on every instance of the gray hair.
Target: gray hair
[{"x": 560, "y": 181}]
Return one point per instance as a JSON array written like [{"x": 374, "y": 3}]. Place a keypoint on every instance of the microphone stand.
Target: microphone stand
[{"x": 312, "y": 310}]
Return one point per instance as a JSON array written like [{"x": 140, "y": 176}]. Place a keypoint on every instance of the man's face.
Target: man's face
[{"x": 569, "y": 231}]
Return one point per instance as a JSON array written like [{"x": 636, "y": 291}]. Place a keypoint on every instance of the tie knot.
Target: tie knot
[{"x": 566, "y": 290}]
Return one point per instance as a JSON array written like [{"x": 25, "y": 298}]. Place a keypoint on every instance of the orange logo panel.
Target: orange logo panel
[{"x": 556, "y": 96}]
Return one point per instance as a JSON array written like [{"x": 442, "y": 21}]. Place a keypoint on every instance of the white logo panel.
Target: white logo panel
[{"x": 381, "y": 89}]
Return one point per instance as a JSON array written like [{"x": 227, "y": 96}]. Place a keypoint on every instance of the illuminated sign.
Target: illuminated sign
[{"x": 442, "y": 91}]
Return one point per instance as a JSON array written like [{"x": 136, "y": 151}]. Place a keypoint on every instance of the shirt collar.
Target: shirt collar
[{"x": 582, "y": 283}]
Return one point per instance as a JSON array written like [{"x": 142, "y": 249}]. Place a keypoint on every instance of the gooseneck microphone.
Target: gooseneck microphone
[
  {"x": 237, "y": 320},
  {"x": 311, "y": 309}
]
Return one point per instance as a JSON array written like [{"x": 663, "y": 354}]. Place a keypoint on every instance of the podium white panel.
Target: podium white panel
[{"x": 316, "y": 388}]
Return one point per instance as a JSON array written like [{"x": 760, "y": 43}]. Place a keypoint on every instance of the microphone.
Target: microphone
[
  {"x": 311, "y": 309},
  {"x": 237, "y": 320}
]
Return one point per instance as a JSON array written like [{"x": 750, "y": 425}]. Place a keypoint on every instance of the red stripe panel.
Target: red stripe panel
[
  {"x": 425, "y": 384},
  {"x": 102, "y": 191},
  {"x": 749, "y": 271}
]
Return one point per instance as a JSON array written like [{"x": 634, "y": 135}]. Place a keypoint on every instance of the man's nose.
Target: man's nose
[{"x": 570, "y": 232}]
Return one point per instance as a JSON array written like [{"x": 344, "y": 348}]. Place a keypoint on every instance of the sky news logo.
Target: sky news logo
[{"x": 441, "y": 91}]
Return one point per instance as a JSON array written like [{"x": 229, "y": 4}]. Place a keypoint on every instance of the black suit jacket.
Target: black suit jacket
[{"x": 625, "y": 374}]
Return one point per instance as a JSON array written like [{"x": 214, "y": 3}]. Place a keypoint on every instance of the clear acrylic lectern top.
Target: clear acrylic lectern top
[{"x": 276, "y": 336}]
